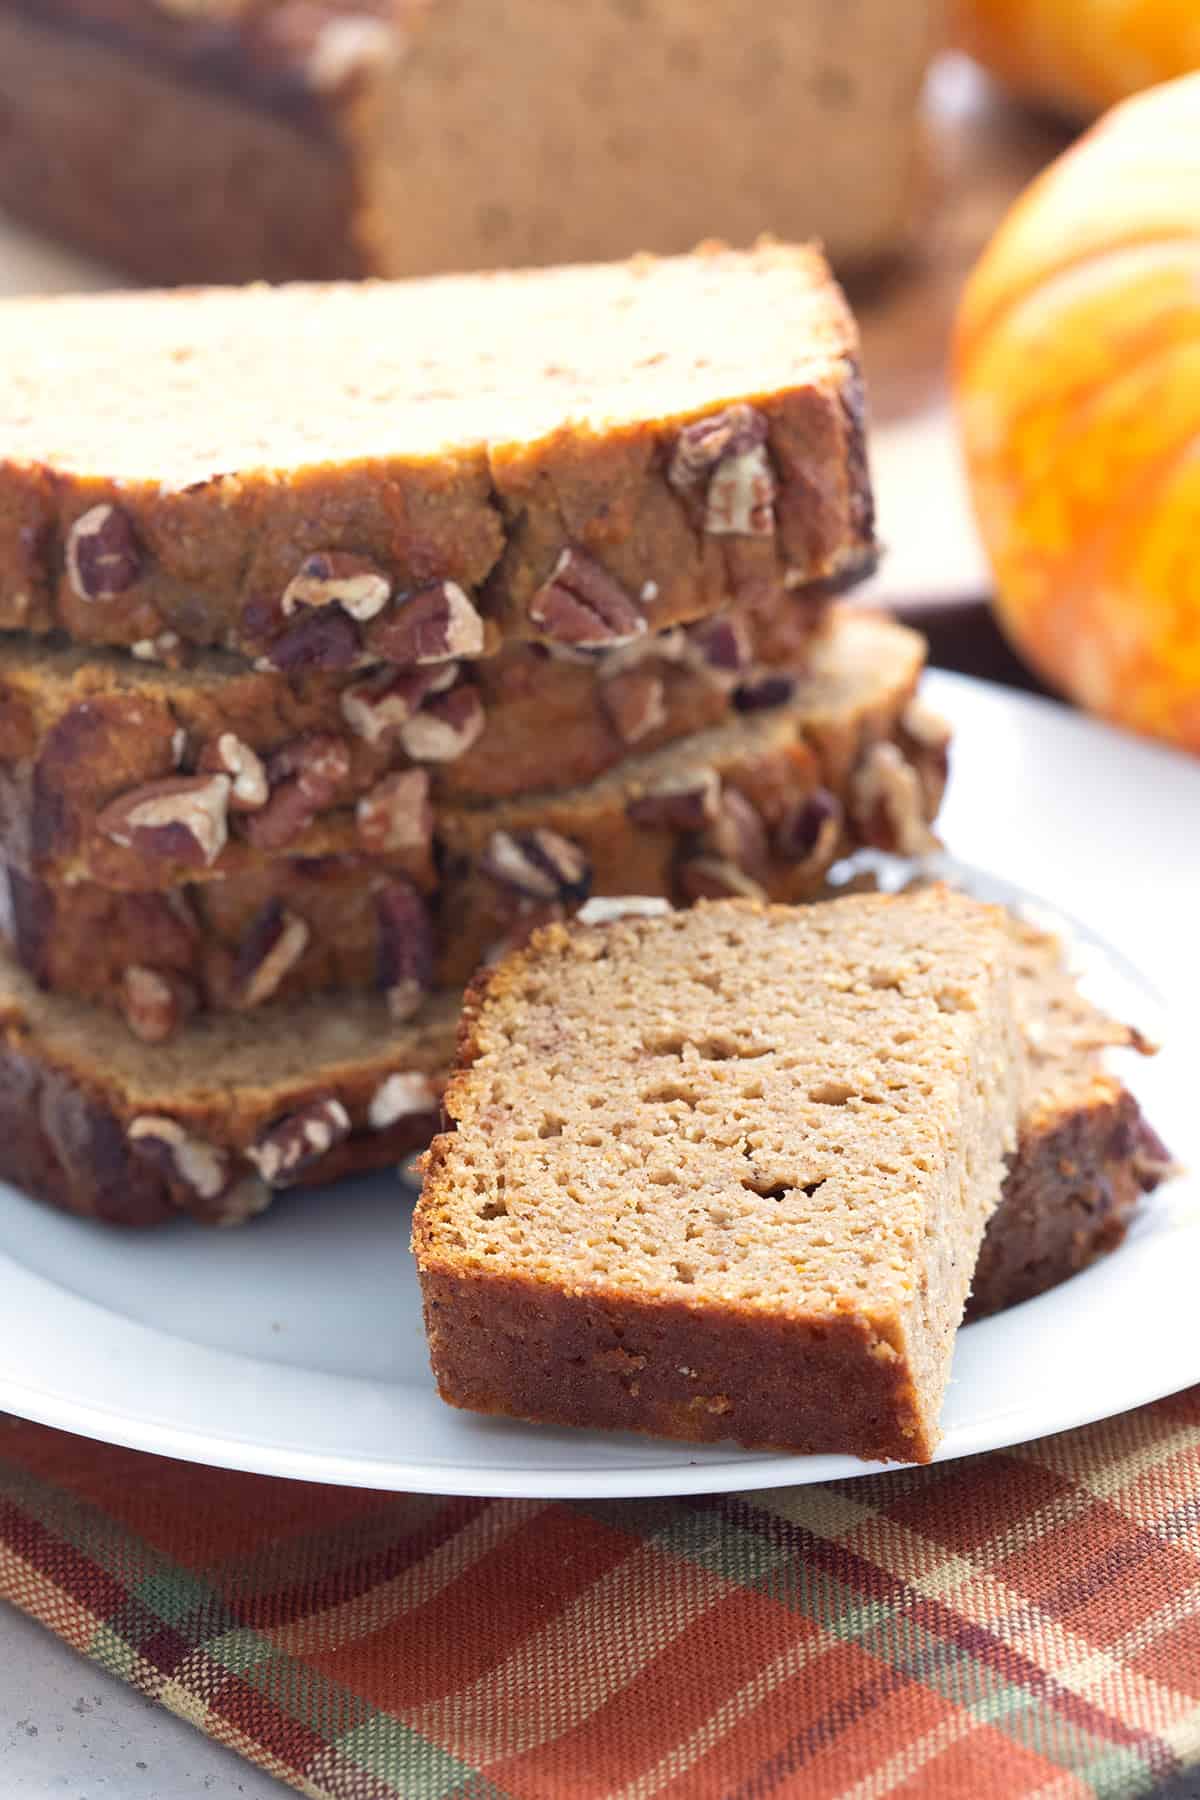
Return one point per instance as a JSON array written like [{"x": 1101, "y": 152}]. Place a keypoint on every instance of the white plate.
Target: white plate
[{"x": 294, "y": 1346}]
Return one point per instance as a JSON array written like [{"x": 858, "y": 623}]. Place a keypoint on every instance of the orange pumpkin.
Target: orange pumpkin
[
  {"x": 1080, "y": 56},
  {"x": 1077, "y": 382}
]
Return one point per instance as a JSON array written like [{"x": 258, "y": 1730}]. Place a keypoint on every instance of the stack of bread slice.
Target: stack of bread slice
[{"x": 352, "y": 632}]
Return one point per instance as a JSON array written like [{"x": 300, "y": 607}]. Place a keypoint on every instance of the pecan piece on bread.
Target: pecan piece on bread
[
  {"x": 406, "y": 947},
  {"x": 375, "y": 709},
  {"x": 395, "y": 816},
  {"x": 401, "y": 1097},
  {"x": 714, "y": 878},
  {"x": 184, "y": 1159},
  {"x": 183, "y": 819},
  {"x": 273, "y": 944},
  {"x": 678, "y": 803},
  {"x": 887, "y": 801},
  {"x": 228, "y": 755},
  {"x": 338, "y": 578},
  {"x": 305, "y": 777},
  {"x": 539, "y": 864},
  {"x": 636, "y": 704},
  {"x": 725, "y": 458},
  {"x": 446, "y": 726},
  {"x": 433, "y": 625},
  {"x": 810, "y": 832},
  {"x": 584, "y": 606},
  {"x": 294, "y": 1144},
  {"x": 155, "y": 1003},
  {"x": 103, "y": 555}
]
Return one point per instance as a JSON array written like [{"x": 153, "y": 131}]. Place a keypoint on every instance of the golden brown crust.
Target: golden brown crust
[{"x": 525, "y": 1350}]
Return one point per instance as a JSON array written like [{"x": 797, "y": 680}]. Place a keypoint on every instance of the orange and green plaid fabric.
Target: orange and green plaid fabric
[{"x": 1026, "y": 1623}]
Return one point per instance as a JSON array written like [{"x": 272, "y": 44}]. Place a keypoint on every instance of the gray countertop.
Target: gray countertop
[{"x": 70, "y": 1732}]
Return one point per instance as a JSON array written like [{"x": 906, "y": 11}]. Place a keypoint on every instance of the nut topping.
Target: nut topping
[
  {"x": 273, "y": 944},
  {"x": 294, "y": 1143},
  {"x": 726, "y": 458},
  {"x": 636, "y": 704},
  {"x": 887, "y": 803},
  {"x": 320, "y": 638},
  {"x": 154, "y": 1004},
  {"x": 375, "y": 709},
  {"x": 925, "y": 738},
  {"x": 445, "y": 728},
  {"x": 304, "y": 778},
  {"x": 712, "y": 878},
  {"x": 764, "y": 692},
  {"x": 406, "y": 948},
  {"x": 584, "y": 606},
  {"x": 396, "y": 814},
  {"x": 679, "y": 803},
  {"x": 811, "y": 831},
  {"x": 197, "y": 1165},
  {"x": 539, "y": 864},
  {"x": 401, "y": 1097},
  {"x": 182, "y": 819},
  {"x": 337, "y": 578},
  {"x": 720, "y": 646},
  {"x": 738, "y": 834},
  {"x": 227, "y": 755},
  {"x": 433, "y": 625},
  {"x": 103, "y": 557}
]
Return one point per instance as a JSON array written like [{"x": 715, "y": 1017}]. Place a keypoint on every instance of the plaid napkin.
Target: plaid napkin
[{"x": 1025, "y": 1623}]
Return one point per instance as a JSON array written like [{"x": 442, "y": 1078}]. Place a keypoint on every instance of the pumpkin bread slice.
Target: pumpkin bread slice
[{"x": 726, "y": 1173}]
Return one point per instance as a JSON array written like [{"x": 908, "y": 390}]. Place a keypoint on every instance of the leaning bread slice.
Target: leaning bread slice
[
  {"x": 584, "y": 454},
  {"x": 726, "y": 1173},
  {"x": 239, "y": 1106}
]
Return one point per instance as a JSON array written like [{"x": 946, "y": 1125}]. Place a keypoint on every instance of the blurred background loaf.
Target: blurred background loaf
[{"x": 226, "y": 140}]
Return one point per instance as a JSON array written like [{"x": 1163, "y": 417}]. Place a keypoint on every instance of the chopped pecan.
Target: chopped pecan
[
  {"x": 539, "y": 864},
  {"x": 375, "y": 709},
  {"x": 446, "y": 726},
  {"x": 155, "y": 1004},
  {"x": 183, "y": 1158},
  {"x": 292, "y": 1145},
  {"x": 228, "y": 755},
  {"x": 103, "y": 555},
  {"x": 1152, "y": 1161},
  {"x": 338, "y": 578},
  {"x": 304, "y": 778},
  {"x": 811, "y": 831},
  {"x": 679, "y": 802},
  {"x": 406, "y": 947},
  {"x": 721, "y": 646},
  {"x": 584, "y": 606},
  {"x": 712, "y": 878},
  {"x": 396, "y": 814},
  {"x": 401, "y": 1097},
  {"x": 320, "y": 638},
  {"x": 726, "y": 458},
  {"x": 764, "y": 691},
  {"x": 887, "y": 803},
  {"x": 636, "y": 704},
  {"x": 737, "y": 834},
  {"x": 273, "y": 944},
  {"x": 433, "y": 625},
  {"x": 182, "y": 819}
]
